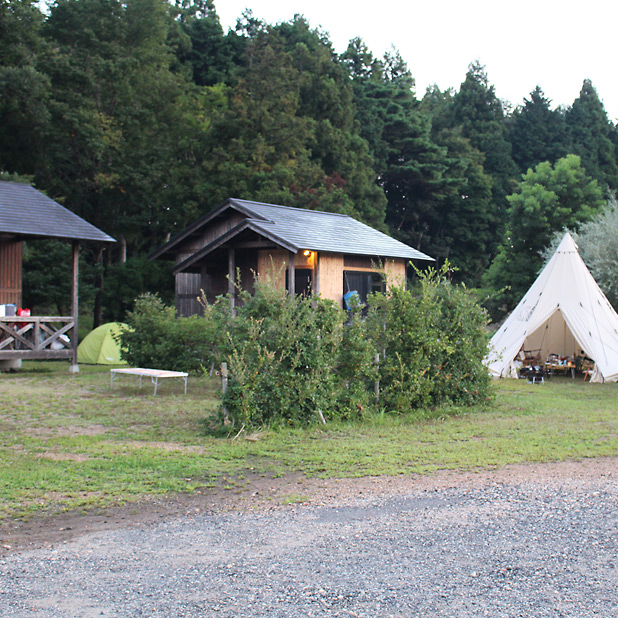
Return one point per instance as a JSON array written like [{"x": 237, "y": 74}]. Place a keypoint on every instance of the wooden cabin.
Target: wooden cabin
[
  {"x": 303, "y": 251},
  {"x": 28, "y": 214}
]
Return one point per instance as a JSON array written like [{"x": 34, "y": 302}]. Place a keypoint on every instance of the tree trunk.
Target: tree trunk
[
  {"x": 97, "y": 314},
  {"x": 123, "y": 250}
]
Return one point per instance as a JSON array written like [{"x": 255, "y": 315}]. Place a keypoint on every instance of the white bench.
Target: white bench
[{"x": 154, "y": 374}]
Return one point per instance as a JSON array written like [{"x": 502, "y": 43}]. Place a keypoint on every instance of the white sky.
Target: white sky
[{"x": 555, "y": 44}]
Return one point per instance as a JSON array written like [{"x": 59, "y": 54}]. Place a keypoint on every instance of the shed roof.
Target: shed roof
[
  {"x": 296, "y": 229},
  {"x": 24, "y": 211}
]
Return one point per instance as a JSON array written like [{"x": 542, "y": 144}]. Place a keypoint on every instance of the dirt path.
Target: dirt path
[
  {"x": 271, "y": 493},
  {"x": 534, "y": 541}
]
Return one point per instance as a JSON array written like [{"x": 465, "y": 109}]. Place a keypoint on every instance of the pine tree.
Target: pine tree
[
  {"x": 411, "y": 167},
  {"x": 288, "y": 133},
  {"x": 590, "y": 131},
  {"x": 211, "y": 55},
  {"x": 537, "y": 133},
  {"x": 480, "y": 114}
]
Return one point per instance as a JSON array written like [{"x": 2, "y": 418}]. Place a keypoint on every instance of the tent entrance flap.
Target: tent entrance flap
[
  {"x": 564, "y": 312},
  {"x": 553, "y": 337}
]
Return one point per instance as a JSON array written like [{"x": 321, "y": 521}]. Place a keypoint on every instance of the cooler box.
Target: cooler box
[{"x": 22, "y": 312}]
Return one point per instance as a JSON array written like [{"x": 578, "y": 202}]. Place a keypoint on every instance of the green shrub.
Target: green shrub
[
  {"x": 159, "y": 340},
  {"x": 294, "y": 360},
  {"x": 356, "y": 367},
  {"x": 431, "y": 341},
  {"x": 463, "y": 378},
  {"x": 281, "y": 352}
]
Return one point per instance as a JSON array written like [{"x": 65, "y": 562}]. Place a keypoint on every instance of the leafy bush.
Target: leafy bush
[
  {"x": 157, "y": 339},
  {"x": 356, "y": 367},
  {"x": 281, "y": 352},
  {"x": 431, "y": 341},
  {"x": 296, "y": 360}
]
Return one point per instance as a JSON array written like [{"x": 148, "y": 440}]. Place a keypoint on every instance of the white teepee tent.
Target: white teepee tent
[{"x": 564, "y": 312}]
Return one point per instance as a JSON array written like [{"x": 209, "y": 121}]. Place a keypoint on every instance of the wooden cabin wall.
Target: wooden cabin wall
[
  {"x": 395, "y": 271},
  {"x": 331, "y": 269},
  {"x": 213, "y": 232},
  {"x": 188, "y": 290},
  {"x": 11, "y": 252},
  {"x": 271, "y": 266},
  {"x": 330, "y": 274},
  {"x": 303, "y": 261}
]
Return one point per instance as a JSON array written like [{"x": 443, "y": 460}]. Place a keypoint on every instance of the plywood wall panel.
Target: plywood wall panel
[
  {"x": 330, "y": 273},
  {"x": 272, "y": 264},
  {"x": 10, "y": 271}
]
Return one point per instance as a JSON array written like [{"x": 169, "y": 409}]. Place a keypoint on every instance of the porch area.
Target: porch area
[
  {"x": 37, "y": 337},
  {"x": 29, "y": 215}
]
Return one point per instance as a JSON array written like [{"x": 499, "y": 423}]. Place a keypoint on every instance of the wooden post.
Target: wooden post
[
  {"x": 376, "y": 385},
  {"x": 224, "y": 378},
  {"x": 74, "y": 367},
  {"x": 291, "y": 274},
  {"x": 316, "y": 275},
  {"x": 231, "y": 274}
]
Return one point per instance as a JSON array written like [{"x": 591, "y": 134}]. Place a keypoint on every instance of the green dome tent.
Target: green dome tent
[{"x": 99, "y": 347}]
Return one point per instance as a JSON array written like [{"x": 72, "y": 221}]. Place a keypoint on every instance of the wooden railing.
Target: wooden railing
[{"x": 36, "y": 337}]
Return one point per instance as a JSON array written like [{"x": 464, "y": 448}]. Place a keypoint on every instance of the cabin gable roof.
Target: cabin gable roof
[{"x": 295, "y": 229}]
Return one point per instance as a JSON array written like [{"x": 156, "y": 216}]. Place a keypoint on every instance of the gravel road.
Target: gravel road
[{"x": 527, "y": 541}]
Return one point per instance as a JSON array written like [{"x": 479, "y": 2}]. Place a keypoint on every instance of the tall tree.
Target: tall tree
[
  {"x": 287, "y": 132},
  {"x": 117, "y": 119},
  {"x": 548, "y": 199},
  {"x": 411, "y": 167},
  {"x": 479, "y": 113},
  {"x": 590, "y": 132},
  {"x": 24, "y": 89},
  {"x": 118, "y": 114},
  {"x": 537, "y": 132},
  {"x": 465, "y": 230},
  {"x": 326, "y": 97},
  {"x": 211, "y": 54}
]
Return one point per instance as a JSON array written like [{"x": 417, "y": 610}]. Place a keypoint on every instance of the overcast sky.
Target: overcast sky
[{"x": 555, "y": 44}]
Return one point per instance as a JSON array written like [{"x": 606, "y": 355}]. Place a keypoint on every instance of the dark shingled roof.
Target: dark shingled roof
[
  {"x": 24, "y": 211},
  {"x": 297, "y": 229}
]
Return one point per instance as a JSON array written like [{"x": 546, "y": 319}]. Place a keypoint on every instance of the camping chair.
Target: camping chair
[
  {"x": 587, "y": 369},
  {"x": 534, "y": 374},
  {"x": 531, "y": 357},
  {"x": 537, "y": 375}
]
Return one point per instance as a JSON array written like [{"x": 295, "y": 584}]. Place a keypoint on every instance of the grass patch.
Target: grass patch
[{"x": 69, "y": 442}]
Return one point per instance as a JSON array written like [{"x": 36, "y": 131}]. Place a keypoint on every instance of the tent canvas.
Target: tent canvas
[
  {"x": 564, "y": 312},
  {"x": 100, "y": 348}
]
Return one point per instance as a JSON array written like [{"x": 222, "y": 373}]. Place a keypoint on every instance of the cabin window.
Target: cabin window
[{"x": 363, "y": 283}]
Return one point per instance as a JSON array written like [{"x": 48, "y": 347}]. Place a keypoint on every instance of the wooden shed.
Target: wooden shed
[
  {"x": 299, "y": 250},
  {"x": 28, "y": 214}
]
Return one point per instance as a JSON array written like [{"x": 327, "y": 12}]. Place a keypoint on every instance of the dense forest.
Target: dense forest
[{"x": 140, "y": 115}]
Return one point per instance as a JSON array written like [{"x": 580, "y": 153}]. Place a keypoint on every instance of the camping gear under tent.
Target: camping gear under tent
[
  {"x": 100, "y": 347},
  {"x": 564, "y": 313}
]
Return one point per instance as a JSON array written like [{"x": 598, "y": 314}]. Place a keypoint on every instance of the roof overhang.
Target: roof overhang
[
  {"x": 79, "y": 238},
  {"x": 248, "y": 224},
  {"x": 229, "y": 204},
  {"x": 29, "y": 214}
]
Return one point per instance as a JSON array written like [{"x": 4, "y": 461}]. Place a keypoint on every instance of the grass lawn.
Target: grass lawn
[{"x": 69, "y": 442}]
